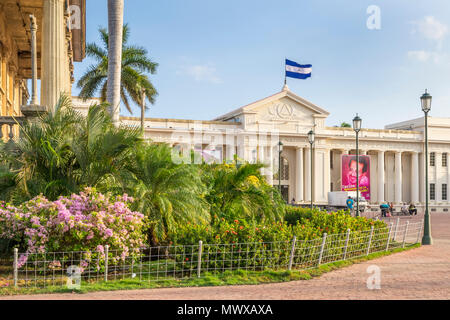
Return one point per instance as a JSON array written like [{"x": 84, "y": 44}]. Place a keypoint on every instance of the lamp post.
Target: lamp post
[
  {"x": 280, "y": 150},
  {"x": 426, "y": 107},
  {"x": 357, "y": 127},
  {"x": 311, "y": 137}
]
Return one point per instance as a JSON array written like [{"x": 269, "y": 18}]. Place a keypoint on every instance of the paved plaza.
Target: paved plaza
[{"x": 422, "y": 273}]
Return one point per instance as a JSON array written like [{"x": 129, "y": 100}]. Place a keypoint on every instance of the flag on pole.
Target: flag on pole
[{"x": 298, "y": 71}]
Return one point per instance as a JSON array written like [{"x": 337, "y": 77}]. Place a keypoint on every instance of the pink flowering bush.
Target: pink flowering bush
[{"x": 82, "y": 222}]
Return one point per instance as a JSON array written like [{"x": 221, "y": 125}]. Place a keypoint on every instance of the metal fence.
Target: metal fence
[{"x": 156, "y": 264}]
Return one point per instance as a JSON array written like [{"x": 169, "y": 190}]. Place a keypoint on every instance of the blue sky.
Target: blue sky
[{"x": 215, "y": 56}]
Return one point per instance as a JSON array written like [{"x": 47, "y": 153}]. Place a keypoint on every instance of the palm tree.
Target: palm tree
[
  {"x": 240, "y": 191},
  {"x": 134, "y": 79},
  {"x": 167, "y": 193},
  {"x": 115, "y": 26},
  {"x": 62, "y": 152}
]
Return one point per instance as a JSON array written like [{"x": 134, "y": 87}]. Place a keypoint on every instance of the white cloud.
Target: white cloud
[
  {"x": 427, "y": 56},
  {"x": 435, "y": 31},
  {"x": 430, "y": 28},
  {"x": 205, "y": 73}
]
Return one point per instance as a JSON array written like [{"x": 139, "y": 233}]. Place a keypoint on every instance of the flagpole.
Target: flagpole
[{"x": 285, "y": 82}]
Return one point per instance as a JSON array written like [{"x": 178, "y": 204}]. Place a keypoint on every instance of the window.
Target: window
[
  {"x": 432, "y": 191},
  {"x": 284, "y": 169},
  {"x": 432, "y": 159},
  {"x": 444, "y": 160},
  {"x": 444, "y": 192}
]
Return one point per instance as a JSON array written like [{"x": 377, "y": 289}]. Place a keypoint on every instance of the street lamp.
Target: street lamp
[
  {"x": 280, "y": 150},
  {"x": 357, "y": 127},
  {"x": 425, "y": 100},
  {"x": 311, "y": 137}
]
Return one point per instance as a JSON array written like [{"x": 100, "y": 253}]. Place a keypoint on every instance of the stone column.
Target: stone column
[
  {"x": 380, "y": 176},
  {"x": 230, "y": 144},
  {"x": 437, "y": 182},
  {"x": 327, "y": 174},
  {"x": 448, "y": 177},
  {"x": 307, "y": 174},
  {"x": 422, "y": 177},
  {"x": 32, "y": 110},
  {"x": 241, "y": 152},
  {"x": 398, "y": 177},
  {"x": 55, "y": 79},
  {"x": 271, "y": 167},
  {"x": 33, "y": 61},
  {"x": 299, "y": 175},
  {"x": 415, "y": 177}
]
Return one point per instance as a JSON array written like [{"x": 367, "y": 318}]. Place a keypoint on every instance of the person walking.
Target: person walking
[
  {"x": 350, "y": 204},
  {"x": 384, "y": 209}
]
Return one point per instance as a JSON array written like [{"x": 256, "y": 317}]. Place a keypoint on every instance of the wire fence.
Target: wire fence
[{"x": 156, "y": 264}]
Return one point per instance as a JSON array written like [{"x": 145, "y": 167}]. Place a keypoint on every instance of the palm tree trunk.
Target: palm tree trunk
[
  {"x": 115, "y": 29},
  {"x": 143, "y": 112}
]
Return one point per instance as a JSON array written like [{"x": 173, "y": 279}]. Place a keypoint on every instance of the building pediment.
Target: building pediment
[
  {"x": 283, "y": 106},
  {"x": 285, "y": 110}
]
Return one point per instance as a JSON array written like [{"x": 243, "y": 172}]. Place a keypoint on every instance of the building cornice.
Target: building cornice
[
  {"x": 181, "y": 121},
  {"x": 374, "y": 130}
]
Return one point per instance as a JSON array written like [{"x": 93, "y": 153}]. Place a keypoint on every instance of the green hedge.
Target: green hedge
[{"x": 239, "y": 244}]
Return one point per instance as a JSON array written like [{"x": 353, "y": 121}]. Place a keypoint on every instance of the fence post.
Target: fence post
[
  {"x": 406, "y": 232},
  {"x": 324, "y": 239},
  {"x": 396, "y": 229},
  {"x": 200, "y": 250},
  {"x": 16, "y": 259},
  {"x": 370, "y": 240},
  {"x": 389, "y": 236},
  {"x": 291, "y": 258},
  {"x": 106, "y": 261},
  {"x": 419, "y": 232},
  {"x": 346, "y": 243}
]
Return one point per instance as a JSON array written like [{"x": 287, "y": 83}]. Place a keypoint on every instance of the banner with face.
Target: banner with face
[{"x": 349, "y": 173}]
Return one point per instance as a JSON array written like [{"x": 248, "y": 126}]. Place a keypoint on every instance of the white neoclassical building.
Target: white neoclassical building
[{"x": 253, "y": 132}]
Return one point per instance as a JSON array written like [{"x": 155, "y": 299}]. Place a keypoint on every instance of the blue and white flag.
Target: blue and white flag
[{"x": 298, "y": 71}]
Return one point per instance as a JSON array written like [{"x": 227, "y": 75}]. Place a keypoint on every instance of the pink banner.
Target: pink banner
[{"x": 349, "y": 174}]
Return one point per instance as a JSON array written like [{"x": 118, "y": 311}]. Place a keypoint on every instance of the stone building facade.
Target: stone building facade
[
  {"x": 253, "y": 132},
  {"x": 59, "y": 30}
]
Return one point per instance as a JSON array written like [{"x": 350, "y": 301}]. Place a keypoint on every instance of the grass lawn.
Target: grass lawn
[{"x": 238, "y": 277}]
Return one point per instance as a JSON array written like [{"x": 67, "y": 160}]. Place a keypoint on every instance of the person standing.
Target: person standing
[{"x": 391, "y": 208}]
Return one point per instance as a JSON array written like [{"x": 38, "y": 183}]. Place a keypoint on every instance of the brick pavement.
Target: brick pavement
[{"x": 422, "y": 273}]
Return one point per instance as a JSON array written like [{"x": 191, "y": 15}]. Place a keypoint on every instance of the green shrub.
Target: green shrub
[{"x": 258, "y": 245}]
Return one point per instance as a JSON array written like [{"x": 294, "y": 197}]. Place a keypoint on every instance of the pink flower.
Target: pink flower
[{"x": 108, "y": 232}]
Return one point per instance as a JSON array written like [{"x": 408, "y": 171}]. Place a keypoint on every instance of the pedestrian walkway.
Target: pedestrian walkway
[{"x": 422, "y": 273}]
